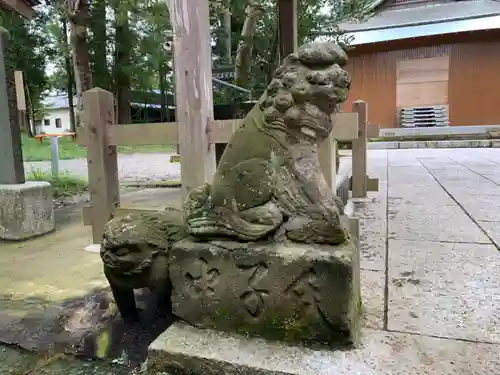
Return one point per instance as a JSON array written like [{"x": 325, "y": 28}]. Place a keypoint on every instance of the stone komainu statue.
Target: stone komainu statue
[
  {"x": 268, "y": 182},
  {"x": 269, "y": 178},
  {"x": 134, "y": 251}
]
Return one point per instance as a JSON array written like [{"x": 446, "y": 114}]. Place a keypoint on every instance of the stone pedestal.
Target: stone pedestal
[
  {"x": 26, "y": 210},
  {"x": 291, "y": 292}
]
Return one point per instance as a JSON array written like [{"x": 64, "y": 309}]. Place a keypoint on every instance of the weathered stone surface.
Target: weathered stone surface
[
  {"x": 26, "y": 210},
  {"x": 444, "y": 289},
  {"x": 187, "y": 350},
  {"x": 269, "y": 178},
  {"x": 290, "y": 292}
]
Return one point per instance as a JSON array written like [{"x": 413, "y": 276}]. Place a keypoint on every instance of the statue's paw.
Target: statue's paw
[
  {"x": 306, "y": 230},
  {"x": 249, "y": 225}
]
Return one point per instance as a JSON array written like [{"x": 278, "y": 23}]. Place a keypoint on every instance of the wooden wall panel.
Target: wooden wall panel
[
  {"x": 422, "y": 82},
  {"x": 374, "y": 80},
  {"x": 474, "y": 87}
]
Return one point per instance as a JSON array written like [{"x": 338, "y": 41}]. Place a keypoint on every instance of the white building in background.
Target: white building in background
[{"x": 56, "y": 118}]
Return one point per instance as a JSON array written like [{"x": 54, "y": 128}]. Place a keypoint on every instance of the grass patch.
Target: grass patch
[
  {"x": 33, "y": 150},
  {"x": 63, "y": 185}
]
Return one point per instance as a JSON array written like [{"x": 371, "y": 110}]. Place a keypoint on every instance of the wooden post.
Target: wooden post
[
  {"x": 11, "y": 155},
  {"x": 102, "y": 159},
  {"x": 327, "y": 153},
  {"x": 359, "y": 178},
  {"x": 193, "y": 89},
  {"x": 21, "y": 103},
  {"x": 287, "y": 11}
]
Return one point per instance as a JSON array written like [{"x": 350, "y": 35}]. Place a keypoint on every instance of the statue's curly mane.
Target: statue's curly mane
[
  {"x": 151, "y": 234},
  {"x": 313, "y": 74}
]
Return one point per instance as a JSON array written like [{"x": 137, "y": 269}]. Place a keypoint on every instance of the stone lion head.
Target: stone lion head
[
  {"x": 131, "y": 243},
  {"x": 306, "y": 90}
]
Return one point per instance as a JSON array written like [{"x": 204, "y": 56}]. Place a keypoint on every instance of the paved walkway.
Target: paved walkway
[{"x": 430, "y": 263}]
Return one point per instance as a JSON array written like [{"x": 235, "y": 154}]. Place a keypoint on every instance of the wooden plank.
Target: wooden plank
[
  {"x": 345, "y": 128},
  {"x": 288, "y": 30},
  {"x": 328, "y": 160},
  {"x": 373, "y": 131},
  {"x": 11, "y": 156},
  {"x": 359, "y": 154},
  {"x": 20, "y": 6},
  {"x": 419, "y": 94},
  {"x": 20, "y": 95},
  {"x": 193, "y": 90},
  {"x": 434, "y": 69},
  {"x": 102, "y": 159}
]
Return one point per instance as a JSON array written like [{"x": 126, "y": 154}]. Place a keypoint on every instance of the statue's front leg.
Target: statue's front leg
[
  {"x": 124, "y": 298},
  {"x": 312, "y": 209}
]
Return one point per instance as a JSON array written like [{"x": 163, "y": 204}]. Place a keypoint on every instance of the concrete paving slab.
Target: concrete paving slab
[
  {"x": 372, "y": 292},
  {"x": 382, "y": 353},
  {"x": 430, "y": 223},
  {"x": 444, "y": 289},
  {"x": 372, "y": 249},
  {"x": 435, "y": 197},
  {"x": 492, "y": 228},
  {"x": 481, "y": 207}
]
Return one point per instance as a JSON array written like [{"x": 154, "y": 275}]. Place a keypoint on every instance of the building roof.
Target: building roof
[
  {"x": 59, "y": 101},
  {"x": 427, "y": 13},
  {"x": 426, "y": 19}
]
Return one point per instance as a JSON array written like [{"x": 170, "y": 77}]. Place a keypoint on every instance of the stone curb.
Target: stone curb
[{"x": 393, "y": 145}]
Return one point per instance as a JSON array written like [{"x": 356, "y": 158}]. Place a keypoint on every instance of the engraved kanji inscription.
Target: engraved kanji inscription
[
  {"x": 306, "y": 290},
  {"x": 254, "y": 298},
  {"x": 203, "y": 282}
]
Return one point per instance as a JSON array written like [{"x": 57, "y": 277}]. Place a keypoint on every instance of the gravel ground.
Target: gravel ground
[{"x": 131, "y": 168}]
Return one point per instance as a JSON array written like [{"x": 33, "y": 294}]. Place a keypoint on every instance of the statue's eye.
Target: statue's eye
[{"x": 121, "y": 251}]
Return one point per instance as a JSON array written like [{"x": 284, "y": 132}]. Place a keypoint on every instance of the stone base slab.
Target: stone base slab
[
  {"x": 291, "y": 292},
  {"x": 184, "y": 350},
  {"x": 26, "y": 210}
]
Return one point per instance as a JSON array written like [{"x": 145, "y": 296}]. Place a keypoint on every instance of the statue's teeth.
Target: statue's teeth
[{"x": 308, "y": 132}]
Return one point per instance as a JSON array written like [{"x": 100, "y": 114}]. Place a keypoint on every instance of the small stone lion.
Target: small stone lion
[
  {"x": 134, "y": 251},
  {"x": 269, "y": 178}
]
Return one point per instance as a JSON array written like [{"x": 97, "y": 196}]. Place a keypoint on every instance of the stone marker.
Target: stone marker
[
  {"x": 26, "y": 210},
  {"x": 283, "y": 291},
  {"x": 11, "y": 155}
]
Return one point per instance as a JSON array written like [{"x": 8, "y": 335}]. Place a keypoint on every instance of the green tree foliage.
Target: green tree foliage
[
  {"x": 129, "y": 43},
  {"x": 29, "y": 49}
]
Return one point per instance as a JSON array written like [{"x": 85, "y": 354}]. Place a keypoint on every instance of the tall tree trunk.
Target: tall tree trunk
[
  {"x": 78, "y": 15},
  {"x": 244, "y": 54},
  {"x": 275, "y": 53},
  {"x": 69, "y": 76},
  {"x": 123, "y": 52},
  {"x": 100, "y": 72},
  {"x": 162, "y": 72},
  {"x": 227, "y": 31}
]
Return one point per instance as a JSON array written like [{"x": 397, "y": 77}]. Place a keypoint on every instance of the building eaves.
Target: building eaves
[{"x": 426, "y": 14}]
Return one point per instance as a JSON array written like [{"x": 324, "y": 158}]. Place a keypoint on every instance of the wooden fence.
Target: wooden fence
[{"x": 101, "y": 136}]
